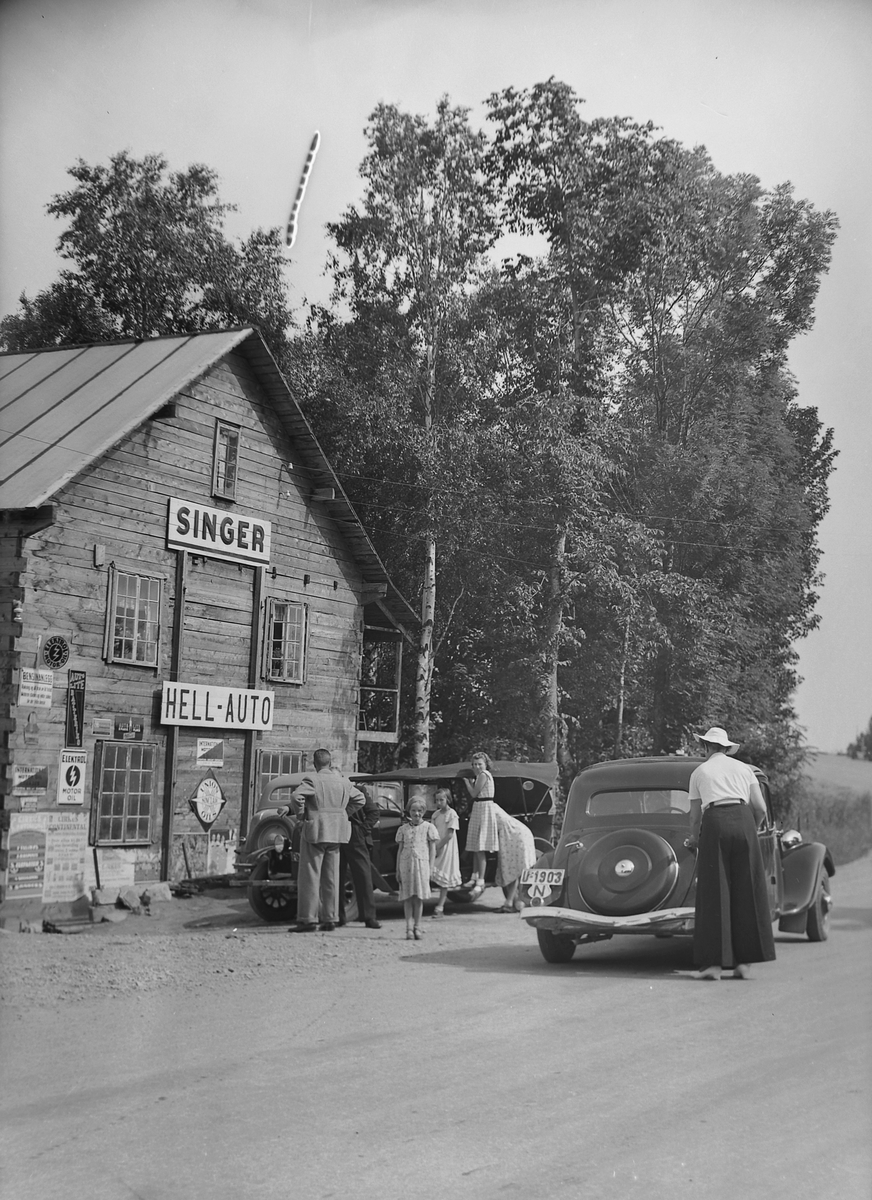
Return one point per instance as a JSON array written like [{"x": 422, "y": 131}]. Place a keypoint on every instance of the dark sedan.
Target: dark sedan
[{"x": 621, "y": 865}]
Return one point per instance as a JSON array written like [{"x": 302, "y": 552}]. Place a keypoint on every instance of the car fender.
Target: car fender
[{"x": 801, "y": 869}]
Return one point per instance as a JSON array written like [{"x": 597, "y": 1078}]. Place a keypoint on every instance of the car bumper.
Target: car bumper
[{"x": 572, "y": 921}]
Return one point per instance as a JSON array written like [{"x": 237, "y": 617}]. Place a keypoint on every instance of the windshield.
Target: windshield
[{"x": 641, "y": 800}]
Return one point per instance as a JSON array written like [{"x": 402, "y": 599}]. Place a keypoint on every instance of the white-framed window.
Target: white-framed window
[
  {"x": 271, "y": 764},
  {"x": 124, "y": 781},
  {"x": 286, "y": 637},
  {"x": 225, "y": 460},
  {"x": 133, "y": 619}
]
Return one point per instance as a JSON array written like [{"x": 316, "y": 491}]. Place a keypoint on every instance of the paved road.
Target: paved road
[{"x": 360, "y": 1066}]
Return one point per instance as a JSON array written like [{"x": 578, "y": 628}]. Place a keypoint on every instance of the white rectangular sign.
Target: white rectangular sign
[
  {"x": 71, "y": 776},
  {"x": 202, "y": 705},
  {"x": 34, "y": 688},
  {"x": 216, "y": 533}
]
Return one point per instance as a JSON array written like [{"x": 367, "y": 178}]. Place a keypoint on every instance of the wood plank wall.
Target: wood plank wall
[{"x": 120, "y": 505}]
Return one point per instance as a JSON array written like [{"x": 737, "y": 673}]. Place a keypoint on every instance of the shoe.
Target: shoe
[
  {"x": 506, "y": 908},
  {"x": 418, "y": 933},
  {"x": 437, "y": 913},
  {"x": 409, "y": 935},
  {"x": 742, "y": 971},
  {"x": 341, "y": 922},
  {"x": 327, "y": 926},
  {"x": 302, "y": 928},
  {"x": 712, "y": 974},
  {"x": 373, "y": 924}
]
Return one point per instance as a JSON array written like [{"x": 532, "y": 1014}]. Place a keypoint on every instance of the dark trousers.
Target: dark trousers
[
  {"x": 732, "y": 922},
  {"x": 354, "y": 859}
]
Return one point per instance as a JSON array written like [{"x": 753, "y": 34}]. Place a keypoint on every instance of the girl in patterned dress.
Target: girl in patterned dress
[
  {"x": 417, "y": 841},
  {"x": 446, "y": 865},
  {"x": 482, "y": 833}
]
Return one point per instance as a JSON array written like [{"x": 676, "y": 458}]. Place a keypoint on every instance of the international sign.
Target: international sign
[
  {"x": 200, "y": 705},
  {"x": 217, "y": 534},
  {"x": 71, "y": 776}
]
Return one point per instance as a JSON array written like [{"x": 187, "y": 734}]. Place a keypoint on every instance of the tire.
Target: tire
[
  {"x": 817, "y": 926},
  {"x": 271, "y": 904},
  {"x": 555, "y": 947},
  {"x": 625, "y": 872}
]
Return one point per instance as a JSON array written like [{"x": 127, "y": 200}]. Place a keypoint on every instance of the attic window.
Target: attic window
[{"x": 225, "y": 458}]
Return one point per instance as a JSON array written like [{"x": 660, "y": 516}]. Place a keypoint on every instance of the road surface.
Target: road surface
[{"x": 227, "y": 1058}]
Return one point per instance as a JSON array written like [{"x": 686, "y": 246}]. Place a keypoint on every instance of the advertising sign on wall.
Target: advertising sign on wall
[
  {"x": 34, "y": 688},
  {"x": 30, "y": 781},
  {"x": 75, "y": 708},
  {"x": 217, "y": 534},
  {"x": 65, "y": 850},
  {"x": 71, "y": 776},
  {"x": 202, "y": 705}
]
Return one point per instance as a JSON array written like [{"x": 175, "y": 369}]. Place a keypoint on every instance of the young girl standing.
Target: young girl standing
[
  {"x": 482, "y": 833},
  {"x": 446, "y": 864},
  {"x": 417, "y": 841}
]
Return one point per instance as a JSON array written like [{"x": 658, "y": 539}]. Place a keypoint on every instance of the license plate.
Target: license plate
[{"x": 540, "y": 877}]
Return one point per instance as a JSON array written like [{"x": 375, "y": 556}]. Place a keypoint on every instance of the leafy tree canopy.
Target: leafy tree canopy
[{"x": 148, "y": 256}]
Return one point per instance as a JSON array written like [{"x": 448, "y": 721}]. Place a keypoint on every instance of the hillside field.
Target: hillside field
[
  {"x": 835, "y": 806},
  {"x": 839, "y": 771}
]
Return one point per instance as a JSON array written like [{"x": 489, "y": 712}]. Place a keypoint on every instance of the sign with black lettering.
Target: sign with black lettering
[
  {"x": 71, "y": 777},
  {"x": 216, "y": 533},
  {"x": 75, "y": 708},
  {"x": 205, "y": 706}
]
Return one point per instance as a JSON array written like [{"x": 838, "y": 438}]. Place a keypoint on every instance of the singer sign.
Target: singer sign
[{"x": 217, "y": 534}]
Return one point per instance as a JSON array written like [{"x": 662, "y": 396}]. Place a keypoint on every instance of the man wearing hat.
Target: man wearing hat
[{"x": 732, "y": 923}]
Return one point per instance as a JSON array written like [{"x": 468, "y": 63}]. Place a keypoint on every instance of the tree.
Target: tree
[
  {"x": 405, "y": 259},
  {"x": 862, "y": 747},
  {"x": 684, "y": 288},
  {"x": 149, "y": 256}
]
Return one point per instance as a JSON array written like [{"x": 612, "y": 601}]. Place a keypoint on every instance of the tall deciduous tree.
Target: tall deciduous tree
[
  {"x": 149, "y": 256},
  {"x": 407, "y": 256}
]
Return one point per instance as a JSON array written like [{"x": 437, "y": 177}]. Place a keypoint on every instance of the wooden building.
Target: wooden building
[{"x": 189, "y": 603}]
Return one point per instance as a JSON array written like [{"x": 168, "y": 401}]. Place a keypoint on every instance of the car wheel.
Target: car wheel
[
  {"x": 818, "y": 924},
  {"x": 625, "y": 872},
  {"x": 271, "y": 904},
  {"x": 555, "y": 947}
]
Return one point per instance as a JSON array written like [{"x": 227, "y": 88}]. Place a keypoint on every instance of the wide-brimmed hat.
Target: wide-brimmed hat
[{"x": 718, "y": 737}]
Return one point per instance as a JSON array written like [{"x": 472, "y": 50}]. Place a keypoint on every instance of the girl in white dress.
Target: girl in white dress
[
  {"x": 416, "y": 840},
  {"x": 446, "y": 865},
  {"x": 482, "y": 833}
]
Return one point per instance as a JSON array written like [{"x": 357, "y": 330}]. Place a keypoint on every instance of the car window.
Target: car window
[
  {"x": 640, "y": 800},
  {"x": 388, "y": 797}
]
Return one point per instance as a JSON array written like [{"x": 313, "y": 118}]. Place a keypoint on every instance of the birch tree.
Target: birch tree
[{"x": 406, "y": 255}]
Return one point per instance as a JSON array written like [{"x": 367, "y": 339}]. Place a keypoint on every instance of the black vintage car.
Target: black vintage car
[
  {"x": 621, "y": 865},
  {"x": 270, "y": 852}
]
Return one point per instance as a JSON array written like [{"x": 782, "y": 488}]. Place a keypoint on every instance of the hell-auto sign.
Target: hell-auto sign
[
  {"x": 202, "y": 705},
  {"x": 217, "y": 534}
]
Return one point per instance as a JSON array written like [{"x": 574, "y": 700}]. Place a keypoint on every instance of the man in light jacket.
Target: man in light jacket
[{"x": 322, "y": 800}]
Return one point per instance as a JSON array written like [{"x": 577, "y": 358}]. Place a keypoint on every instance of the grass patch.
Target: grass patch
[{"x": 841, "y": 818}]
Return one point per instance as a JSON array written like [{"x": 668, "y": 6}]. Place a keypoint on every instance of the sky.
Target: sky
[{"x": 781, "y": 89}]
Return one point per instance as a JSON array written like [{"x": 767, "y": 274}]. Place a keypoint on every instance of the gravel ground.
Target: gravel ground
[{"x": 208, "y": 943}]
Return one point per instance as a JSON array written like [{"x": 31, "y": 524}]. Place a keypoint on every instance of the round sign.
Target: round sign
[
  {"x": 209, "y": 800},
  {"x": 56, "y": 652}
]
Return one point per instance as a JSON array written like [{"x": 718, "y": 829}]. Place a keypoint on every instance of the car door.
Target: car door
[{"x": 768, "y": 840}]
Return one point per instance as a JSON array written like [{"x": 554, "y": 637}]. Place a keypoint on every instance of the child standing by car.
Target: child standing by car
[
  {"x": 446, "y": 864},
  {"x": 417, "y": 841}
]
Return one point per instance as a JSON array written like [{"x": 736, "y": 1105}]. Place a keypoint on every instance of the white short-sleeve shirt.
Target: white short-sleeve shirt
[{"x": 723, "y": 778}]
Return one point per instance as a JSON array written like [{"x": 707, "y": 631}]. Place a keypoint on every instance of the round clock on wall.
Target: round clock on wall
[{"x": 56, "y": 652}]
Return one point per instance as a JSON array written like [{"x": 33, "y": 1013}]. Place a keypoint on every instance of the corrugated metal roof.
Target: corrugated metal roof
[{"x": 60, "y": 410}]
